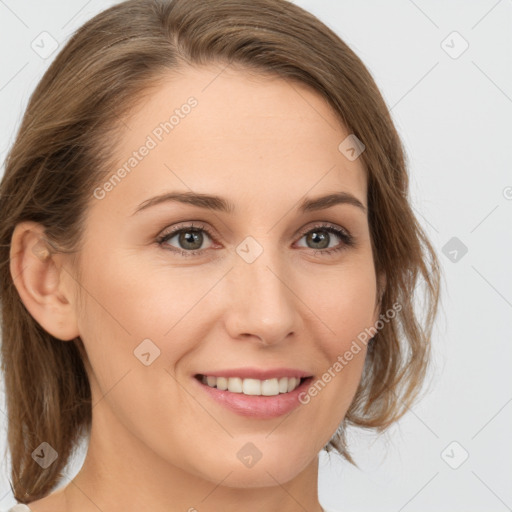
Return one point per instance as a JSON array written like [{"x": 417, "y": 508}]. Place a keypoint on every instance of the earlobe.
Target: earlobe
[{"x": 37, "y": 273}]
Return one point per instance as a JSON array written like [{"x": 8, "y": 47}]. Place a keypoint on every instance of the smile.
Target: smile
[{"x": 252, "y": 387}]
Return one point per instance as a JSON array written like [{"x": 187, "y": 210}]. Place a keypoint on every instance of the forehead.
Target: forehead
[{"x": 236, "y": 134}]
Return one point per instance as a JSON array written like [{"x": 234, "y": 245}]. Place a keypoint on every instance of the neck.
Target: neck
[{"x": 120, "y": 473}]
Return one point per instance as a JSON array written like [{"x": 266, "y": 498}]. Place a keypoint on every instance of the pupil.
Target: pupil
[
  {"x": 189, "y": 238},
  {"x": 322, "y": 238}
]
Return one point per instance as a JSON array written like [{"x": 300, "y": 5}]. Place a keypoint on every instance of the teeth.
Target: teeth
[
  {"x": 255, "y": 387},
  {"x": 250, "y": 387},
  {"x": 222, "y": 383}
]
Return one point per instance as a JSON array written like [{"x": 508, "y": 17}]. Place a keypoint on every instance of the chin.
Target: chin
[{"x": 268, "y": 471}]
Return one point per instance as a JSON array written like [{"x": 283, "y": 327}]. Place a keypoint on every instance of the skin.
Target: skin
[{"x": 158, "y": 442}]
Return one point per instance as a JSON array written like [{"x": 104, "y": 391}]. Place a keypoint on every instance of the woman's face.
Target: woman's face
[{"x": 263, "y": 289}]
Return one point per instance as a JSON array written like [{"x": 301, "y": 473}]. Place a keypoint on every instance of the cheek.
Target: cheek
[
  {"x": 131, "y": 310},
  {"x": 140, "y": 300},
  {"x": 344, "y": 301}
]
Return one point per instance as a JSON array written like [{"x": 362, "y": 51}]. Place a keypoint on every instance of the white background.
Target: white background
[{"x": 454, "y": 117}]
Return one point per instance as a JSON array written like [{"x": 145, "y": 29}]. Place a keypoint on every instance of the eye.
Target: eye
[
  {"x": 321, "y": 238},
  {"x": 189, "y": 238}
]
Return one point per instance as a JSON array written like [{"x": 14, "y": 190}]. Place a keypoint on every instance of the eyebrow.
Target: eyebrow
[{"x": 220, "y": 204}]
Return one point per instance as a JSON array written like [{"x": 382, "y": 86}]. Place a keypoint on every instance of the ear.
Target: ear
[{"x": 44, "y": 286}]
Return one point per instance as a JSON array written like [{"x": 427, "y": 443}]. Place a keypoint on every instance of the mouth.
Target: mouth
[
  {"x": 263, "y": 398},
  {"x": 253, "y": 387}
]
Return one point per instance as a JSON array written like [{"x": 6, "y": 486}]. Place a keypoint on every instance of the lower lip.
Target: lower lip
[{"x": 264, "y": 407}]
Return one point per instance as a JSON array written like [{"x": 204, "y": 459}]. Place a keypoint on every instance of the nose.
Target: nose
[{"x": 262, "y": 305}]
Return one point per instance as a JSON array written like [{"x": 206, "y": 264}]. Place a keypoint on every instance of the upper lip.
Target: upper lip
[{"x": 258, "y": 373}]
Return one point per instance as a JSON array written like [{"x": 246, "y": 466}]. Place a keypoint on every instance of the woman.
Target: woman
[{"x": 209, "y": 262}]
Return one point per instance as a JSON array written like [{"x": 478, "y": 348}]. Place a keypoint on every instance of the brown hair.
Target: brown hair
[{"x": 69, "y": 129}]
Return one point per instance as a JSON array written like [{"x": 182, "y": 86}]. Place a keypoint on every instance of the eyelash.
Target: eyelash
[{"x": 347, "y": 238}]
